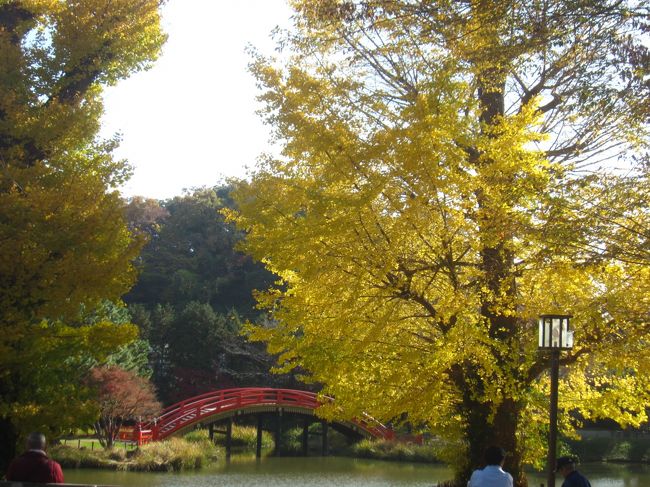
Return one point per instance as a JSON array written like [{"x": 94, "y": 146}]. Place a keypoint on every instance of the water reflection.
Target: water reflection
[
  {"x": 605, "y": 475},
  {"x": 340, "y": 472}
]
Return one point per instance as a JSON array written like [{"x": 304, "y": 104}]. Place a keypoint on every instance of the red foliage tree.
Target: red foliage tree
[{"x": 121, "y": 395}]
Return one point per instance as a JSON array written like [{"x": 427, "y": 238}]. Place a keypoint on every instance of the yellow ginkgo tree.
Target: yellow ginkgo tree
[
  {"x": 63, "y": 237},
  {"x": 447, "y": 175}
]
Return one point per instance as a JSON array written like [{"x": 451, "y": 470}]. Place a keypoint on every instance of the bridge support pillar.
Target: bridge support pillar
[
  {"x": 305, "y": 437},
  {"x": 278, "y": 434},
  {"x": 228, "y": 437},
  {"x": 326, "y": 447},
  {"x": 258, "y": 448},
  {"x": 211, "y": 431}
]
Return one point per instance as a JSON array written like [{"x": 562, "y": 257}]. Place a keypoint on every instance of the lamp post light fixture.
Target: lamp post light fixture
[{"x": 555, "y": 335}]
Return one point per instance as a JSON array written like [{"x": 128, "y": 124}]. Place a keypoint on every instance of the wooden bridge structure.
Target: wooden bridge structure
[{"x": 223, "y": 406}]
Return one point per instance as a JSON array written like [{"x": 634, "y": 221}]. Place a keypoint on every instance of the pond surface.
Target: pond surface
[{"x": 332, "y": 471}]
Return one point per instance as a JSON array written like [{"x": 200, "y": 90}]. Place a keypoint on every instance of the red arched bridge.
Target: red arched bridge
[{"x": 223, "y": 405}]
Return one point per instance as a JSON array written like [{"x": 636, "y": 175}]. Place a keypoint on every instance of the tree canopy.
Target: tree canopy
[
  {"x": 191, "y": 254},
  {"x": 120, "y": 396},
  {"x": 192, "y": 293},
  {"x": 63, "y": 238},
  {"x": 448, "y": 174}
]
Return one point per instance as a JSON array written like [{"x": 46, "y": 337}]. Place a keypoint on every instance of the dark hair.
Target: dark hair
[
  {"x": 494, "y": 455},
  {"x": 564, "y": 461}
]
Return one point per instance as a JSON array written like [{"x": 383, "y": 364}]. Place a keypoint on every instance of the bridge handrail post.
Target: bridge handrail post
[
  {"x": 154, "y": 430},
  {"x": 138, "y": 433}
]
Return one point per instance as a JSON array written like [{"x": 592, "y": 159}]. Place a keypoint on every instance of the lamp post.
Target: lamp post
[{"x": 554, "y": 335}]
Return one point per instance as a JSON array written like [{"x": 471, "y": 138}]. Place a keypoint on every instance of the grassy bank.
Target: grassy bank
[
  {"x": 172, "y": 455},
  {"x": 94, "y": 444},
  {"x": 390, "y": 450},
  {"x": 611, "y": 450},
  {"x": 195, "y": 450},
  {"x": 625, "y": 450}
]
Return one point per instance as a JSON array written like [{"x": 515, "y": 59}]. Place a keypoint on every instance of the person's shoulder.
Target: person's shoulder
[
  {"x": 26, "y": 456},
  {"x": 576, "y": 479},
  {"x": 475, "y": 477},
  {"x": 57, "y": 472},
  {"x": 53, "y": 464},
  {"x": 509, "y": 480},
  {"x": 34, "y": 454},
  {"x": 583, "y": 480},
  {"x": 476, "y": 473}
]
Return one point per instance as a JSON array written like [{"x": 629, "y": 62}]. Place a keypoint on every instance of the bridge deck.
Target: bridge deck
[{"x": 223, "y": 403}]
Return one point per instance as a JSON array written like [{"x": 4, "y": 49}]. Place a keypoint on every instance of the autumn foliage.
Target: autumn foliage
[
  {"x": 121, "y": 396},
  {"x": 64, "y": 242},
  {"x": 447, "y": 174}
]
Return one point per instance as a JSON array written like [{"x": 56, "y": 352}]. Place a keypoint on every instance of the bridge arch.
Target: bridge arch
[{"x": 222, "y": 404}]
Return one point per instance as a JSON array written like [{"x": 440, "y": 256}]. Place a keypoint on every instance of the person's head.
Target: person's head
[
  {"x": 36, "y": 441},
  {"x": 494, "y": 455},
  {"x": 565, "y": 465}
]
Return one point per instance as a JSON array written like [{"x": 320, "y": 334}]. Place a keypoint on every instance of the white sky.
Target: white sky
[{"x": 190, "y": 120}]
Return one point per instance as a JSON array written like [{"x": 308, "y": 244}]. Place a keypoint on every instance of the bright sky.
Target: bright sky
[{"x": 190, "y": 120}]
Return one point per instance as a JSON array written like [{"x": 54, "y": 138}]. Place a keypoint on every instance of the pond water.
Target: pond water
[{"x": 332, "y": 471}]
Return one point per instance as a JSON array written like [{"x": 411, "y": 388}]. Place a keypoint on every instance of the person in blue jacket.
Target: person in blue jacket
[{"x": 572, "y": 478}]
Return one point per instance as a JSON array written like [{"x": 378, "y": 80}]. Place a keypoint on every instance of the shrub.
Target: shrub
[
  {"x": 608, "y": 449},
  {"x": 392, "y": 450},
  {"x": 117, "y": 454},
  {"x": 197, "y": 436},
  {"x": 173, "y": 455},
  {"x": 71, "y": 457}
]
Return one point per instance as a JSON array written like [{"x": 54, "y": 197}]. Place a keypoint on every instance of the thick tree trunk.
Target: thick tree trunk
[
  {"x": 493, "y": 423},
  {"x": 482, "y": 432},
  {"x": 505, "y": 432}
]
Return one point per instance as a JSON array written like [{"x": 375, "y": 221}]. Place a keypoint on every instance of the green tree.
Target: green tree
[
  {"x": 441, "y": 184},
  {"x": 63, "y": 238},
  {"x": 191, "y": 256},
  {"x": 193, "y": 290},
  {"x": 195, "y": 349},
  {"x": 132, "y": 356},
  {"x": 155, "y": 327}
]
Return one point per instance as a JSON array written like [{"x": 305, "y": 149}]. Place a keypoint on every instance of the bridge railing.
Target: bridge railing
[
  {"x": 190, "y": 411},
  {"x": 136, "y": 434}
]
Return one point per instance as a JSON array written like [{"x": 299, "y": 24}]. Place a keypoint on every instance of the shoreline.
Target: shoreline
[{"x": 196, "y": 450}]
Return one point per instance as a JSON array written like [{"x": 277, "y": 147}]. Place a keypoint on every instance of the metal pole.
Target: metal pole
[{"x": 552, "y": 432}]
